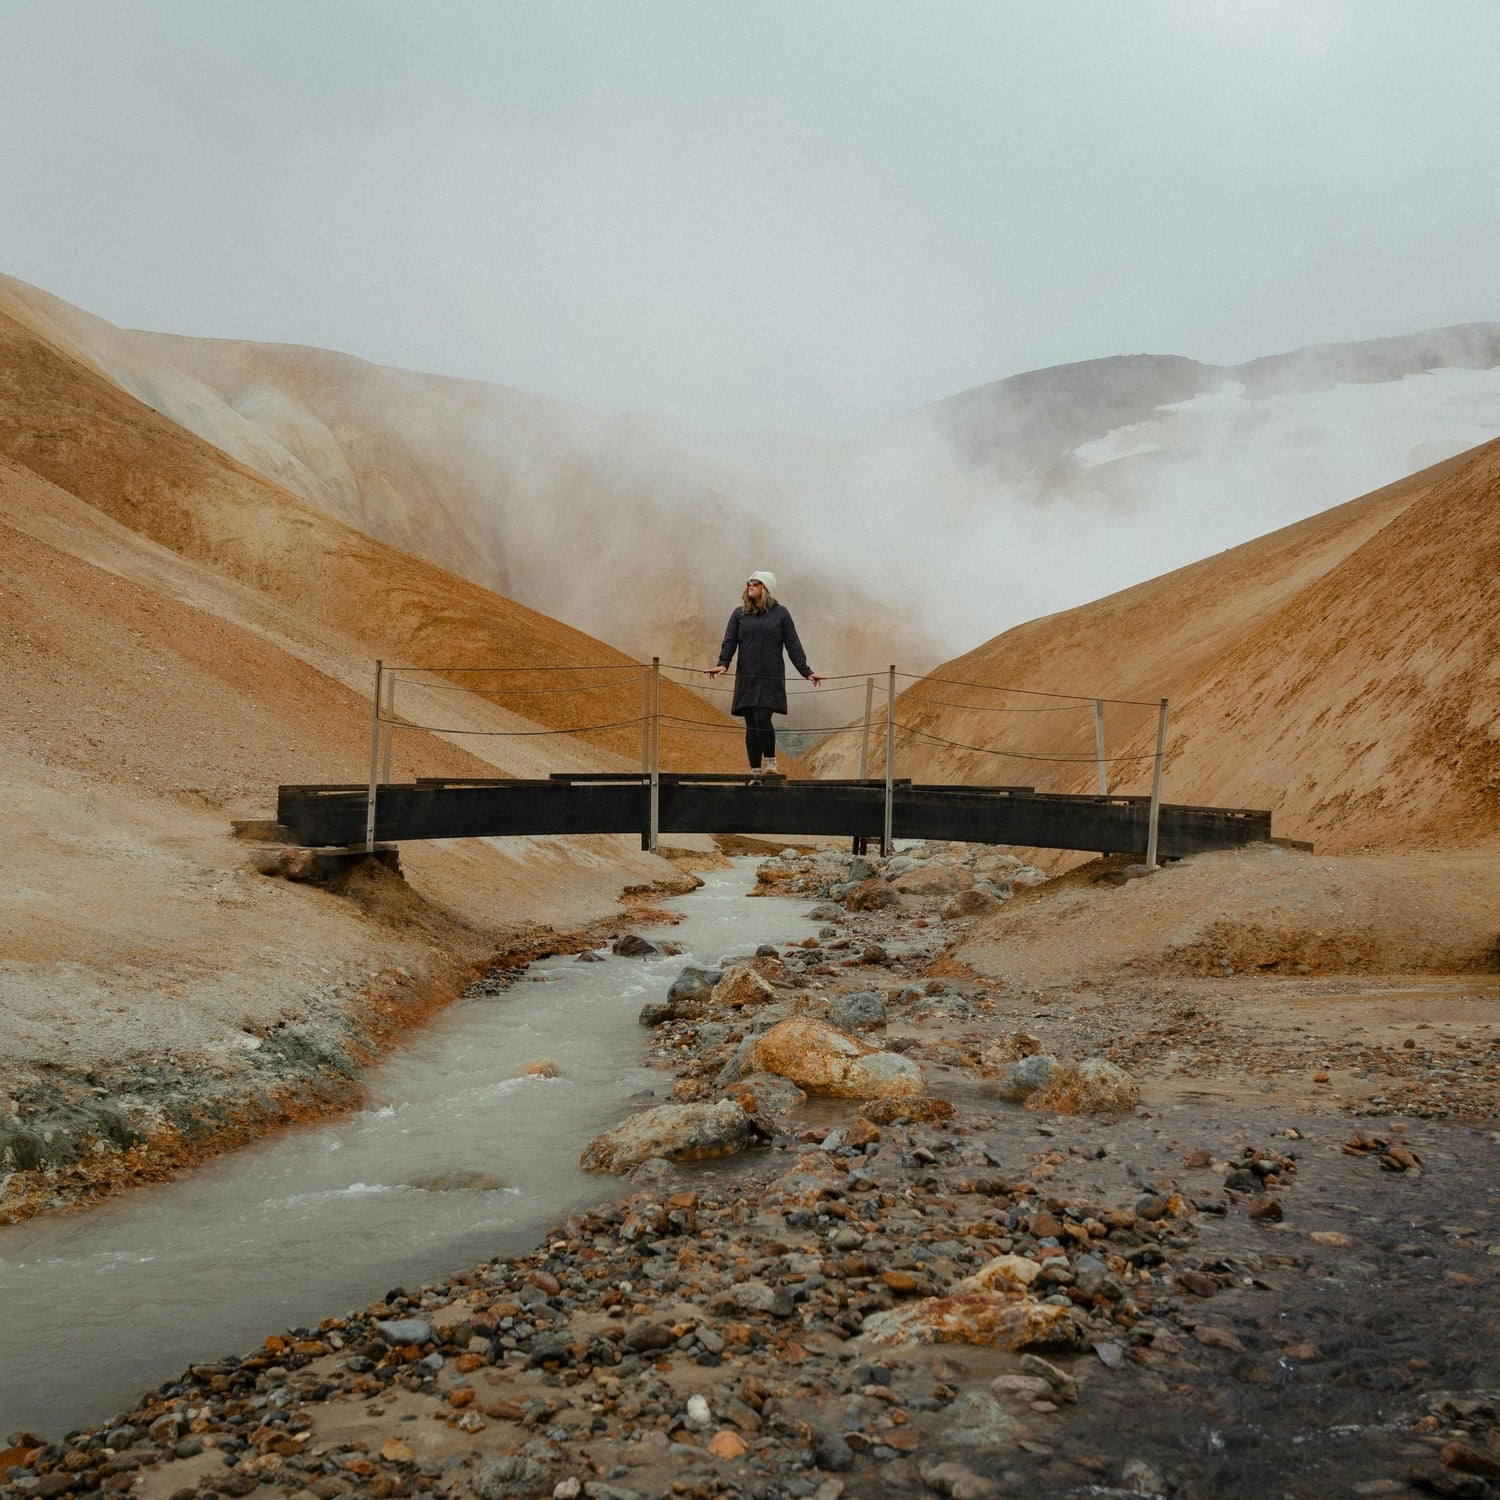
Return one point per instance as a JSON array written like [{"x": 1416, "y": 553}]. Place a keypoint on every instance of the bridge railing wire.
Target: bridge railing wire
[
  {"x": 909, "y": 733},
  {"x": 832, "y": 684}
]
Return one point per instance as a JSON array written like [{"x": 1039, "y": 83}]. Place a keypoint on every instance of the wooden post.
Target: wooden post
[
  {"x": 1099, "y": 746},
  {"x": 390, "y": 727},
  {"x": 645, "y": 722},
  {"x": 374, "y": 759},
  {"x": 1161, "y": 749},
  {"x": 655, "y": 751},
  {"x": 864, "y": 734},
  {"x": 860, "y": 840},
  {"x": 890, "y": 757}
]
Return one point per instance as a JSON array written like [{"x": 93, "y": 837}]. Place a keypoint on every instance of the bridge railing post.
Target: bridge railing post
[
  {"x": 860, "y": 839},
  {"x": 1161, "y": 749},
  {"x": 645, "y": 722},
  {"x": 390, "y": 727},
  {"x": 864, "y": 734},
  {"x": 890, "y": 758},
  {"x": 374, "y": 758},
  {"x": 1099, "y": 747},
  {"x": 655, "y": 825}
]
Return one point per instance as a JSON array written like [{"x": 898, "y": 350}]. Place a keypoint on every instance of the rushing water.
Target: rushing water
[{"x": 95, "y": 1306}]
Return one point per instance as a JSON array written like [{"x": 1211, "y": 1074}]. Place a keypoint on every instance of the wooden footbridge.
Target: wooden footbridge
[
  {"x": 652, "y": 802},
  {"x": 430, "y": 808}
]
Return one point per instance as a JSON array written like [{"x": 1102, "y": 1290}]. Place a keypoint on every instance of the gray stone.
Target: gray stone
[
  {"x": 1024, "y": 1077},
  {"x": 676, "y": 1132},
  {"x": 831, "y": 1452},
  {"x": 860, "y": 1011},
  {"x": 513, "y": 1477},
  {"x": 633, "y": 945},
  {"x": 693, "y": 986},
  {"x": 758, "y": 1297},
  {"x": 1137, "y": 1476},
  {"x": 977, "y": 1420},
  {"x": 461, "y": 1180},
  {"x": 404, "y": 1331},
  {"x": 774, "y": 1095}
]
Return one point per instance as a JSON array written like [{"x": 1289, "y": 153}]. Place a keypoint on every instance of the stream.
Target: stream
[{"x": 94, "y": 1306}]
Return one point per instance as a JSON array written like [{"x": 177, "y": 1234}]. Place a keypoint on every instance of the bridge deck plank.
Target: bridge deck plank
[{"x": 436, "y": 809}]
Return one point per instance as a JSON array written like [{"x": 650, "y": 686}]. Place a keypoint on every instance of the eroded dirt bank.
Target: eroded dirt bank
[
  {"x": 1217, "y": 1290},
  {"x": 123, "y": 1074}
]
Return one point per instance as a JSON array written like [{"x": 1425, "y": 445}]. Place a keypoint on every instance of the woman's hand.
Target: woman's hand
[
  {"x": 716, "y": 671},
  {"x": 813, "y": 678}
]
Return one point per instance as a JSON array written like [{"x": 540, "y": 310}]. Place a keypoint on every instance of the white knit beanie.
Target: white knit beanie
[{"x": 766, "y": 579}]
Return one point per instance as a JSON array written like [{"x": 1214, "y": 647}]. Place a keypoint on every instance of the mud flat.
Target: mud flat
[{"x": 956, "y": 1289}]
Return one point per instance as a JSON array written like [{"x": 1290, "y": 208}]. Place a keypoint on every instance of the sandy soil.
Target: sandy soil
[
  {"x": 1259, "y": 910},
  {"x": 150, "y": 700}
]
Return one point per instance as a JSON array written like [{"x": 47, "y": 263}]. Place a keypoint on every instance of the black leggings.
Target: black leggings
[{"x": 760, "y": 736}]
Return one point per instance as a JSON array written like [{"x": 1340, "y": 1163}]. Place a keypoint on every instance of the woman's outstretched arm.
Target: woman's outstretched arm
[{"x": 728, "y": 646}]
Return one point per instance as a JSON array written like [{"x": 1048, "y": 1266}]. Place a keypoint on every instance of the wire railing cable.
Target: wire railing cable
[
  {"x": 517, "y": 734},
  {"x": 909, "y": 732},
  {"x": 989, "y": 687}
]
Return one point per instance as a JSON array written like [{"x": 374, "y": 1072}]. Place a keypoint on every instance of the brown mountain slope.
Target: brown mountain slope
[
  {"x": 606, "y": 522},
  {"x": 65, "y": 421},
  {"x": 1339, "y": 671},
  {"x": 147, "y": 700}
]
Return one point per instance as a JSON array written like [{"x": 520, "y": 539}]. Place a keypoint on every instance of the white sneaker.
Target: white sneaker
[{"x": 768, "y": 767}]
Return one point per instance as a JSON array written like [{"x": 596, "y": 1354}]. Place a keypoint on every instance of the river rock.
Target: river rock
[
  {"x": 1093, "y": 1087},
  {"x": 742, "y": 987},
  {"x": 826, "y": 911},
  {"x": 463, "y": 1180},
  {"x": 860, "y": 1011},
  {"x": 675, "y": 1132},
  {"x": 977, "y": 1420},
  {"x": 824, "y": 1060},
  {"x": 1024, "y": 1078},
  {"x": 830, "y": 1452},
  {"x": 996, "y": 1317},
  {"x": 656, "y": 1013},
  {"x": 874, "y": 894},
  {"x": 957, "y": 1481},
  {"x": 633, "y": 945},
  {"x": 401, "y": 1331},
  {"x": 1005, "y": 1272},
  {"x": 766, "y": 1094},
  {"x": 541, "y": 1067},
  {"x": 971, "y": 903},
  {"x": 515, "y": 1476},
  {"x": 933, "y": 880},
  {"x": 1010, "y": 1049},
  {"x": 693, "y": 987}
]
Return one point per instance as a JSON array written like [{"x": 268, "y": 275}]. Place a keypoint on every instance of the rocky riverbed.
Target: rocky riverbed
[{"x": 892, "y": 1228}]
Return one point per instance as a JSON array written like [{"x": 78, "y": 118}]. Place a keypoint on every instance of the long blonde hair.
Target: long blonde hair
[{"x": 763, "y": 605}]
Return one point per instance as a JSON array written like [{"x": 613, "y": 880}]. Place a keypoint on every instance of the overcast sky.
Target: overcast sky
[{"x": 811, "y": 215}]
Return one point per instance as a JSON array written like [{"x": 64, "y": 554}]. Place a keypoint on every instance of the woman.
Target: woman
[{"x": 759, "y": 630}]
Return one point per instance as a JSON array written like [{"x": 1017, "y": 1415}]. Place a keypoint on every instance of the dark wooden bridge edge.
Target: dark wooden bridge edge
[{"x": 335, "y": 815}]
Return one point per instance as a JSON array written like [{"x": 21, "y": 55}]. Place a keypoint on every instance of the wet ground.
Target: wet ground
[{"x": 1267, "y": 1293}]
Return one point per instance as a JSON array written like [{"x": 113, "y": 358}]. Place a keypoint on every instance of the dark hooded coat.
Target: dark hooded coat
[{"x": 760, "y": 678}]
